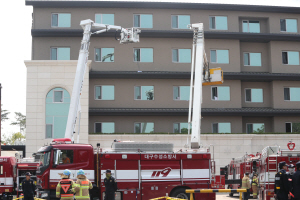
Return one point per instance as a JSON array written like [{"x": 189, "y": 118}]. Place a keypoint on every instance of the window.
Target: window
[
  {"x": 104, "y": 127},
  {"x": 255, "y": 128},
  {"x": 181, "y": 55},
  {"x": 49, "y": 131},
  {"x": 220, "y": 93},
  {"x": 1, "y": 169},
  {"x": 218, "y": 23},
  {"x": 181, "y": 93},
  {"x": 251, "y": 26},
  {"x": 143, "y": 21},
  {"x": 144, "y": 127},
  {"x": 219, "y": 56},
  {"x": 221, "y": 127},
  {"x": 292, "y": 94},
  {"x": 61, "y": 53},
  {"x": 105, "y": 92},
  {"x": 254, "y": 95},
  {"x": 180, "y": 128},
  {"x": 143, "y": 93},
  {"x": 292, "y": 127},
  {"x": 104, "y": 54},
  {"x": 143, "y": 55},
  {"x": 61, "y": 20},
  {"x": 290, "y": 57},
  {"x": 58, "y": 96},
  {"x": 288, "y": 25},
  {"x": 180, "y": 21},
  {"x": 66, "y": 157},
  {"x": 105, "y": 19},
  {"x": 252, "y": 59}
]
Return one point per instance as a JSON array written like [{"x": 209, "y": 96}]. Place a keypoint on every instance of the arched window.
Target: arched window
[{"x": 57, "y": 110}]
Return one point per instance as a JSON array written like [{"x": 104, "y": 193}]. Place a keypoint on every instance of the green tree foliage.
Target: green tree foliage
[
  {"x": 4, "y": 114},
  {"x": 20, "y": 121},
  {"x": 296, "y": 127},
  {"x": 13, "y": 139}
]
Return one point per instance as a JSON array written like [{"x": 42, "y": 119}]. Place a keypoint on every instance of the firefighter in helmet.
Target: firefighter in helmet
[
  {"x": 290, "y": 178},
  {"x": 110, "y": 186},
  {"x": 82, "y": 186},
  {"x": 254, "y": 186},
  {"x": 281, "y": 188},
  {"x": 296, "y": 182},
  {"x": 246, "y": 185},
  {"x": 65, "y": 187}
]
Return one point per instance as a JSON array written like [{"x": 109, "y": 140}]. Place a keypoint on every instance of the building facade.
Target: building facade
[{"x": 144, "y": 87}]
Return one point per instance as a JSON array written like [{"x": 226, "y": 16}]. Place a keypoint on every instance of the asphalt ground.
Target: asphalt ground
[{"x": 225, "y": 196}]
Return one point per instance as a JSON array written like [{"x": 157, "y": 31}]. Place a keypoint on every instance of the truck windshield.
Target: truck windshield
[{"x": 43, "y": 158}]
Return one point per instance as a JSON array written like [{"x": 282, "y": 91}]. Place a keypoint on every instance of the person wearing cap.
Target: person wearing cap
[
  {"x": 296, "y": 182},
  {"x": 65, "y": 187},
  {"x": 28, "y": 187},
  {"x": 246, "y": 185},
  {"x": 110, "y": 186},
  {"x": 290, "y": 174},
  {"x": 281, "y": 187},
  {"x": 254, "y": 186},
  {"x": 82, "y": 186}
]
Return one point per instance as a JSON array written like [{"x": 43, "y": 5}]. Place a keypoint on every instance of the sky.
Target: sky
[{"x": 16, "y": 47}]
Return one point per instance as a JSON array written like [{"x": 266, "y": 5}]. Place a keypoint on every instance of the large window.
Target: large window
[
  {"x": 143, "y": 93},
  {"x": 224, "y": 127},
  {"x": 61, "y": 20},
  {"x": 49, "y": 131},
  {"x": 218, "y": 23},
  {"x": 180, "y": 21},
  {"x": 255, "y": 128},
  {"x": 180, "y": 127},
  {"x": 219, "y": 56},
  {"x": 290, "y": 57},
  {"x": 252, "y": 59},
  {"x": 63, "y": 157},
  {"x": 292, "y": 127},
  {"x": 105, "y": 92},
  {"x": 181, "y": 93},
  {"x": 292, "y": 94},
  {"x": 288, "y": 25},
  {"x": 60, "y": 53},
  {"x": 254, "y": 95},
  {"x": 181, "y": 55},
  {"x": 251, "y": 26},
  {"x": 144, "y": 127},
  {"x": 143, "y": 54},
  {"x": 143, "y": 21},
  {"x": 104, "y": 54},
  {"x": 105, "y": 19},
  {"x": 220, "y": 93},
  {"x": 104, "y": 127}
]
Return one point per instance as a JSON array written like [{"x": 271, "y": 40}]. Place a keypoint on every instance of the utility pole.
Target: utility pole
[{"x": 0, "y": 118}]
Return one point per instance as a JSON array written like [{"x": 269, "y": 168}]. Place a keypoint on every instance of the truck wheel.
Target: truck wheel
[
  {"x": 180, "y": 193},
  {"x": 231, "y": 194}
]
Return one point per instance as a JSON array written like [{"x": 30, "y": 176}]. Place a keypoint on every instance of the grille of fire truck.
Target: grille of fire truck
[{"x": 142, "y": 146}]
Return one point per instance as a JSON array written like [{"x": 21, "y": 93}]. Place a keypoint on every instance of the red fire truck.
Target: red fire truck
[{"x": 142, "y": 170}]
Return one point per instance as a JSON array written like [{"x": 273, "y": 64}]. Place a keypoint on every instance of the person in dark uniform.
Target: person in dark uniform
[
  {"x": 290, "y": 178},
  {"x": 110, "y": 186},
  {"x": 28, "y": 187},
  {"x": 296, "y": 182},
  {"x": 281, "y": 188}
]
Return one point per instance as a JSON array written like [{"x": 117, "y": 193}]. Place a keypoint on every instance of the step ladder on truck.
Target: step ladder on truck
[{"x": 143, "y": 170}]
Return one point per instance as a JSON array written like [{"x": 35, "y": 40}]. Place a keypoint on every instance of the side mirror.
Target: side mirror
[{"x": 54, "y": 166}]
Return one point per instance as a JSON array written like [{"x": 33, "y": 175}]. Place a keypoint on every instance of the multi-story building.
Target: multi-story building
[{"x": 144, "y": 87}]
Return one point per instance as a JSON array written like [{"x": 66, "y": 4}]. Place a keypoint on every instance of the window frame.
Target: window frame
[
  {"x": 141, "y": 125},
  {"x": 140, "y": 20},
  {"x": 52, "y": 125},
  {"x": 289, "y": 94},
  {"x": 61, "y": 95},
  {"x": 58, "y": 20},
  {"x": 102, "y": 17},
  {"x": 287, "y": 57},
  {"x": 101, "y": 93},
  {"x": 178, "y": 21},
  {"x": 179, "y": 126},
  {"x": 212, "y": 127},
  {"x": 251, "y": 95},
  {"x": 141, "y": 92},
  {"x": 286, "y": 26},
  {"x": 102, "y": 127},
  {"x": 141, "y": 54},
  {"x": 179, "y": 92},
  {"x": 250, "y": 59},
  {"x": 101, "y": 54},
  {"x": 179, "y": 56},
  {"x": 55, "y": 47},
  {"x": 218, "y": 95},
  {"x": 252, "y": 127},
  {"x": 215, "y": 22},
  {"x": 217, "y": 57},
  {"x": 248, "y": 22}
]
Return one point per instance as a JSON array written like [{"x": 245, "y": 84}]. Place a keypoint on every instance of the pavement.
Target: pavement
[{"x": 225, "y": 196}]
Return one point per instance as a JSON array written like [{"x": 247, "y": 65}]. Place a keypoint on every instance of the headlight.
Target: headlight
[{"x": 44, "y": 195}]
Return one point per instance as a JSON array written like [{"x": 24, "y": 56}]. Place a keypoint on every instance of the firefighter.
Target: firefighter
[
  {"x": 246, "y": 185},
  {"x": 28, "y": 187},
  {"x": 290, "y": 178},
  {"x": 254, "y": 186},
  {"x": 65, "y": 187},
  {"x": 83, "y": 185},
  {"x": 296, "y": 182},
  {"x": 110, "y": 186},
  {"x": 281, "y": 188}
]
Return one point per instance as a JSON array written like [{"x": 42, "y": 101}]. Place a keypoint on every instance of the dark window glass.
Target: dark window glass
[
  {"x": 282, "y": 25},
  {"x": 137, "y": 55},
  {"x": 98, "y": 127},
  {"x": 66, "y": 157},
  {"x": 284, "y": 58},
  {"x": 249, "y": 128},
  {"x": 288, "y": 127},
  {"x": 215, "y": 128},
  {"x": 248, "y": 94},
  {"x": 287, "y": 94},
  {"x": 214, "y": 93},
  {"x": 54, "y": 19}
]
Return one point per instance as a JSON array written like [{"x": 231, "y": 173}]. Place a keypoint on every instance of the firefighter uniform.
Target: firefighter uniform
[
  {"x": 82, "y": 186},
  {"x": 110, "y": 186},
  {"x": 246, "y": 185},
  {"x": 290, "y": 178},
  {"x": 296, "y": 182},
  {"x": 65, "y": 187},
  {"x": 255, "y": 186},
  {"x": 28, "y": 187},
  {"x": 281, "y": 188}
]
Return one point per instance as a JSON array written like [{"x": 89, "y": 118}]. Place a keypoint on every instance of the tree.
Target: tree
[
  {"x": 4, "y": 114},
  {"x": 20, "y": 120},
  {"x": 14, "y": 138}
]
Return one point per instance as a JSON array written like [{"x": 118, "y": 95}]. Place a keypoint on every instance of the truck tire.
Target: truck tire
[
  {"x": 230, "y": 194},
  {"x": 180, "y": 193}
]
